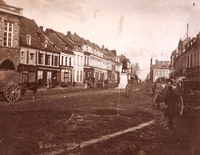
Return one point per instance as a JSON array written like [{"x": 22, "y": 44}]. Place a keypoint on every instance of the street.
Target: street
[{"x": 100, "y": 121}]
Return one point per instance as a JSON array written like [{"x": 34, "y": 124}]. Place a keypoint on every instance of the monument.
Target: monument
[{"x": 123, "y": 75}]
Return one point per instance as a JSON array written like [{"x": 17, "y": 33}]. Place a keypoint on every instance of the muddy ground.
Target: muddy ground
[{"x": 94, "y": 122}]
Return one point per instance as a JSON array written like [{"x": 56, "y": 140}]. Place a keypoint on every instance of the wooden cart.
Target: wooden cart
[
  {"x": 189, "y": 94},
  {"x": 10, "y": 85}
]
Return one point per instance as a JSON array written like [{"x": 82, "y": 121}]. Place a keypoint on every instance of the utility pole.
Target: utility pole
[
  {"x": 161, "y": 64},
  {"x": 187, "y": 29}
]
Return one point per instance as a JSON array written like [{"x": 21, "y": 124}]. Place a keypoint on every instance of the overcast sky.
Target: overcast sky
[{"x": 139, "y": 29}]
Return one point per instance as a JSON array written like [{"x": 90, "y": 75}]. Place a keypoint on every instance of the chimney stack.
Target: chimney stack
[
  {"x": 41, "y": 28},
  {"x": 68, "y": 33}
]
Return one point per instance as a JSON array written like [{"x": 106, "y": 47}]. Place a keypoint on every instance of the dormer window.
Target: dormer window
[
  {"x": 28, "y": 39},
  {"x": 45, "y": 43}
]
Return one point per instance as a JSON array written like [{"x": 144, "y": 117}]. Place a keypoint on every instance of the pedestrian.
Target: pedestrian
[
  {"x": 95, "y": 82},
  {"x": 74, "y": 83},
  {"x": 156, "y": 98},
  {"x": 86, "y": 84},
  {"x": 129, "y": 88},
  {"x": 48, "y": 83},
  {"x": 170, "y": 100}
]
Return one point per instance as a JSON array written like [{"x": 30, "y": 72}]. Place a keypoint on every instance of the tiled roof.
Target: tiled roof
[
  {"x": 57, "y": 41},
  {"x": 64, "y": 38},
  {"x": 27, "y": 26},
  {"x": 2, "y": 2},
  {"x": 38, "y": 38}
]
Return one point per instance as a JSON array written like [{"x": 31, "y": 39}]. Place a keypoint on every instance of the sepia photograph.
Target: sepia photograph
[{"x": 99, "y": 77}]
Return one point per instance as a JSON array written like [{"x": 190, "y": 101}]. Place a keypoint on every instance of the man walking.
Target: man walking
[{"x": 170, "y": 102}]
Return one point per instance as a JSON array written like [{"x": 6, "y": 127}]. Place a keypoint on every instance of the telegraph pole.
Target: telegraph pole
[{"x": 161, "y": 64}]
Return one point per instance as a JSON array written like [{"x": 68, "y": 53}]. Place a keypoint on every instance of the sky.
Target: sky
[{"x": 138, "y": 29}]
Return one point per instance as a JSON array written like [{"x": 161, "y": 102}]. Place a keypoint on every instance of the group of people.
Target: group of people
[
  {"x": 90, "y": 82},
  {"x": 165, "y": 92}
]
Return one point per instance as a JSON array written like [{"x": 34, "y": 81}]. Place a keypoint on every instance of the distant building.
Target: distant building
[{"x": 159, "y": 70}]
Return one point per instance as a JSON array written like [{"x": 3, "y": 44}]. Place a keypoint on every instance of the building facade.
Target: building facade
[
  {"x": 51, "y": 55},
  {"x": 187, "y": 63},
  {"x": 9, "y": 36},
  {"x": 161, "y": 69}
]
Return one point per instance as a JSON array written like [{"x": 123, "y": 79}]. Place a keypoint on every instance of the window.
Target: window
[
  {"x": 49, "y": 75},
  {"x": 22, "y": 57},
  {"x": 70, "y": 61},
  {"x": 48, "y": 60},
  {"x": 87, "y": 61},
  {"x": 45, "y": 43},
  {"x": 66, "y": 61},
  {"x": 74, "y": 60},
  {"x": 31, "y": 77},
  {"x": 40, "y": 75},
  {"x": 81, "y": 75},
  {"x": 28, "y": 39},
  {"x": 77, "y": 60},
  {"x": 81, "y": 60},
  {"x": 41, "y": 58},
  {"x": 8, "y": 34},
  {"x": 77, "y": 76},
  {"x": 56, "y": 61},
  {"x": 62, "y": 60},
  {"x": 31, "y": 60},
  {"x": 31, "y": 56}
]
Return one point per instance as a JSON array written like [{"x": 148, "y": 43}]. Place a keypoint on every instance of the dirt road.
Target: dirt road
[{"x": 92, "y": 122}]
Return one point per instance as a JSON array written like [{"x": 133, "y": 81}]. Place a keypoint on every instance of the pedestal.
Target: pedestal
[{"x": 123, "y": 80}]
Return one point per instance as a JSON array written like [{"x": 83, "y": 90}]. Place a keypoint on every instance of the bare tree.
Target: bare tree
[{"x": 135, "y": 68}]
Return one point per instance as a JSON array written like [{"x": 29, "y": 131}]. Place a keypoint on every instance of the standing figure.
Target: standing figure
[
  {"x": 156, "y": 99},
  {"x": 86, "y": 84},
  {"x": 95, "y": 82},
  {"x": 170, "y": 100},
  {"x": 48, "y": 83},
  {"x": 129, "y": 88}
]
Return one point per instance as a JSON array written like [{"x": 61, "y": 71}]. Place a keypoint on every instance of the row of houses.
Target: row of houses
[
  {"x": 48, "y": 54},
  {"x": 185, "y": 59}
]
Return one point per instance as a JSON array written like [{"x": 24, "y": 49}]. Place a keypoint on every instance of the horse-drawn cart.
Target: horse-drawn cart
[
  {"x": 189, "y": 94},
  {"x": 10, "y": 85}
]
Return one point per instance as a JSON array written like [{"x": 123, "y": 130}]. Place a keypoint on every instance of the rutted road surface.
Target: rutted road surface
[{"x": 92, "y": 122}]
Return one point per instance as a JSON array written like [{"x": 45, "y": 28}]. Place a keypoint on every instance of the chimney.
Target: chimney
[
  {"x": 48, "y": 30},
  {"x": 151, "y": 62},
  {"x": 41, "y": 28},
  {"x": 68, "y": 33},
  {"x": 156, "y": 61}
]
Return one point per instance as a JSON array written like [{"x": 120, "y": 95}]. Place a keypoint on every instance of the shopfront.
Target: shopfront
[
  {"x": 28, "y": 73},
  {"x": 47, "y": 73}
]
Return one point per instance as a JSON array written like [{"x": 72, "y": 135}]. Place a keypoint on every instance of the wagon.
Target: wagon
[
  {"x": 10, "y": 85},
  {"x": 189, "y": 94}
]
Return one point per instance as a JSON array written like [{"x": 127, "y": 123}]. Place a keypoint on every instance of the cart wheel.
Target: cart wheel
[
  {"x": 180, "y": 107},
  {"x": 12, "y": 92}
]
